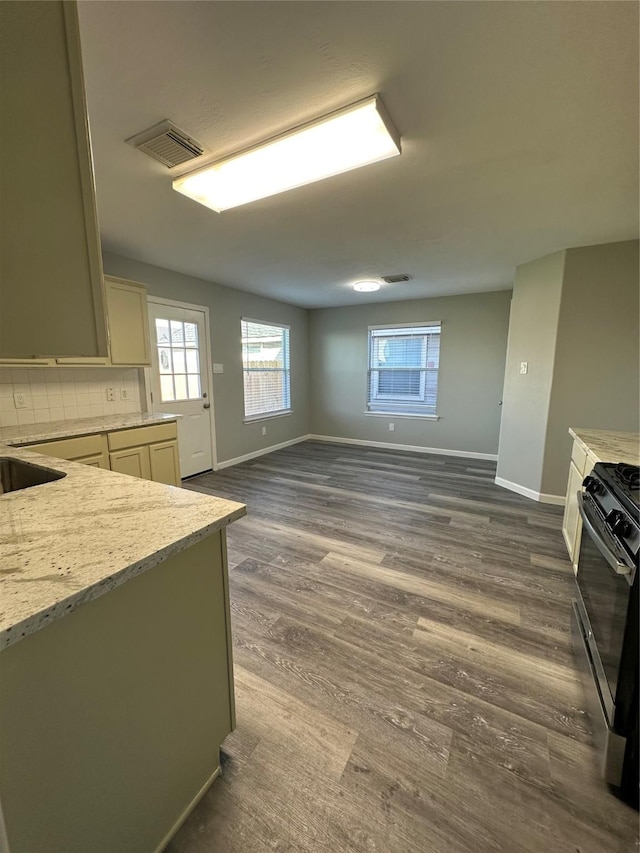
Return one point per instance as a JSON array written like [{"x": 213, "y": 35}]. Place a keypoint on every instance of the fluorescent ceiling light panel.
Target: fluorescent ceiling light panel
[{"x": 344, "y": 140}]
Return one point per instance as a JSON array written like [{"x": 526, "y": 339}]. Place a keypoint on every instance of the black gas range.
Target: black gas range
[{"x": 605, "y": 625}]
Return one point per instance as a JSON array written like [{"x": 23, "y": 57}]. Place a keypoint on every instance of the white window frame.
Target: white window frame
[
  {"x": 286, "y": 372},
  {"x": 375, "y": 399}
]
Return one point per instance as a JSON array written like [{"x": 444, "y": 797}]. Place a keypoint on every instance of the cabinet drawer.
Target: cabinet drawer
[
  {"x": 71, "y": 448},
  {"x": 579, "y": 457},
  {"x": 142, "y": 435}
]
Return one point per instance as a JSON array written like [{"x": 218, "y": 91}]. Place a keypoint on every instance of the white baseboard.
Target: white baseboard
[
  {"x": 413, "y": 448},
  {"x": 227, "y": 463},
  {"x": 541, "y": 497}
]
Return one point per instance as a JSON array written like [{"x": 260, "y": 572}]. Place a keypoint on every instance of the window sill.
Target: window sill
[
  {"x": 401, "y": 415},
  {"x": 267, "y": 416}
]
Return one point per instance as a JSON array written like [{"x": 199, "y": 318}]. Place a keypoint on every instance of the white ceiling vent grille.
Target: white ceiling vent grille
[{"x": 167, "y": 143}]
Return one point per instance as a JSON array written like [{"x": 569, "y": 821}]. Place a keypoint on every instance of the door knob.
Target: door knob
[{"x": 206, "y": 406}]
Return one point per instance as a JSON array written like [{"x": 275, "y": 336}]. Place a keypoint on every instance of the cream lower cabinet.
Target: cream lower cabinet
[
  {"x": 88, "y": 449},
  {"x": 113, "y": 715},
  {"x": 150, "y": 452},
  {"x": 580, "y": 466}
]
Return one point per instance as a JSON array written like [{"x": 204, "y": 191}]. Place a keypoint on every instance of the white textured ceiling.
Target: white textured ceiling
[{"x": 519, "y": 123}]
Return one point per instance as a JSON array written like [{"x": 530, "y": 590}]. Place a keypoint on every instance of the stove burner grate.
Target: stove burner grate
[{"x": 629, "y": 475}]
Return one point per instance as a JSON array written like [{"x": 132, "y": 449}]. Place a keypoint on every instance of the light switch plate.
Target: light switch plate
[
  {"x": 218, "y": 368},
  {"x": 524, "y": 367}
]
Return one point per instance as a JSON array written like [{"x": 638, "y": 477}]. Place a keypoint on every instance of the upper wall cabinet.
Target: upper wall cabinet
[
  {"x": 51, "y": 291},
  {"x": 128, "y": 322}
]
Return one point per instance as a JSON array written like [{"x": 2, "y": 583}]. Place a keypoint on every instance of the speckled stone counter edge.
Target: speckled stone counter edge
[
  {"x": 39, "y": 620},
  {"x": 608, "y": 445},
  {"x": 44, "y": 512},
  {"x": 16, "y": 436}
]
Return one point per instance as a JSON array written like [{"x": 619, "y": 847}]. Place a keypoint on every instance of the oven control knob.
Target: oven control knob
[
  {"x": 593, "y": 486},
  {"x": 618, "y": 523}
]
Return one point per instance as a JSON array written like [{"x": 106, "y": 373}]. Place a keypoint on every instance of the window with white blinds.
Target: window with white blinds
[
  {"x": 266, "y": 369},
  {"x": 403, "y": 369}
]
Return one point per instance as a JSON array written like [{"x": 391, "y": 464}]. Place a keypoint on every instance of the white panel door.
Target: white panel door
[{"x": 180, "y": 379}]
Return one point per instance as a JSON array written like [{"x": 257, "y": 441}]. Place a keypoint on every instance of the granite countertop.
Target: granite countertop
[
  {"x": 32, "y": 433},
  {"x": 72, "y": 540},
  {"x": 609, "y": 446}
]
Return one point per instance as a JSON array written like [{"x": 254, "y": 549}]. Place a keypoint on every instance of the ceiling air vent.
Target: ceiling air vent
[
  {"x": 167, "y": 143},
  {"x": 394, "y": 279}
]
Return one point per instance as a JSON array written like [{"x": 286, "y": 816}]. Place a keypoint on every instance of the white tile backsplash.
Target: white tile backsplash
[{"x": 61, "y": 393}]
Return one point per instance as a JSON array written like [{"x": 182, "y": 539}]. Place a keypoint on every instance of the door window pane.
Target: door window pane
[
  {"x": 190, "y": 335},
  {"x": 192, "y": 361},
  {"x": 166, "y": 388},
  {"x": 164, "y": 359},
  {"x": 193, "y": 382},
  {"x": 177, "y": 333},
  {"x": 179, "y": 364},
  {"x": 181, "y": 387},
  {"x": 162, "y": 331}
]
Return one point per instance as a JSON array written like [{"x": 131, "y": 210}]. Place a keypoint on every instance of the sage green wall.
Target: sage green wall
[
  {"x": 473, "y": 346},
  {"x": 574, "y": 319},
  {"x": 535, "y": 310},
  {"x": 226, "y": 307},
  {"x": 596, "y": 377}
]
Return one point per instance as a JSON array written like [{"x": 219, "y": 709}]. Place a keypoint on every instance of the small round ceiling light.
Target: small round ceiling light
[{"x": 366, "y": 286}]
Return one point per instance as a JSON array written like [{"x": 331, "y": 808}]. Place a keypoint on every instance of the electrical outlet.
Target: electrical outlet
[
  {"x": 111, "y": 395},
  {"x": 22, "y": 401},
  {"x": 524, "y": 367},
  {"x": 392, "y": 427},
  {"x": 264, "y": 430},
  {"x": 218, "y": 368},
  {"x": 124, "y": 393}
]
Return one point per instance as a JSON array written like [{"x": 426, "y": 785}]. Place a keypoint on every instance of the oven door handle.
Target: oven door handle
[{"x": 606, "y": 550}]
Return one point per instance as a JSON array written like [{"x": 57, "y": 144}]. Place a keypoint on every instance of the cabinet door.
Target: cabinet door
[
  {"x": 165, "y": 463},
  {"x": 572, "y": 524},
  {"x": 51, "y": 289},
  {"x": 100, "y": 460},
  {"x": 133, "y": 461},
  {"x": 128, "y": 322}
]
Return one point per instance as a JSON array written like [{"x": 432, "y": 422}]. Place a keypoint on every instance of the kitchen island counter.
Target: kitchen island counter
[
  {"x": 70, "y": 541},
  {"x": 115, "y": 660}
]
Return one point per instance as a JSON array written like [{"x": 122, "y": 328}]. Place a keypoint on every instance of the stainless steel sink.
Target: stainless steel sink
[{"x": 16, "y": 474}]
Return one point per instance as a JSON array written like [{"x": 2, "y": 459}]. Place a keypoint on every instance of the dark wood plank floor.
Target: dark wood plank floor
[{"x": 404, "y": 678}]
